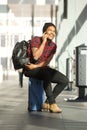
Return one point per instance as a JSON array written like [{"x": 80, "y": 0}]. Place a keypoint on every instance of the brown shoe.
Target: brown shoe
[
  {"x": 54, "y": 108},
  {"x": 46, "y": 107}
]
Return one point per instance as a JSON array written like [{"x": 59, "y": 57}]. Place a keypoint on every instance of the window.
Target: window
[
  {"x": 4, "y": 62},
  {"x": 2, "y": 40},
  {"x": 65, "y": 9},
  {"x": 16, "y": 38}
]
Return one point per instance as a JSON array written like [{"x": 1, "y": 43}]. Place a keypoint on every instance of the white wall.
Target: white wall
[{"x": 75, "y": 9}]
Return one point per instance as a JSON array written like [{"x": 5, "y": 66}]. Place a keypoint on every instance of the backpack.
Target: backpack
[{"x": 21, "y": 54}]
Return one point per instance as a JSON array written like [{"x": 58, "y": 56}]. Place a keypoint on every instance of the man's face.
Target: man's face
[{"x": 51, "y": 32}]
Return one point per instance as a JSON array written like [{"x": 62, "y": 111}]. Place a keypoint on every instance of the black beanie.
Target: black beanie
[{"x": 46, "y": 25}]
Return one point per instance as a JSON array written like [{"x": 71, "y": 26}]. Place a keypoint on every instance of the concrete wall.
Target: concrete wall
[{"x": 71, "y": 30}]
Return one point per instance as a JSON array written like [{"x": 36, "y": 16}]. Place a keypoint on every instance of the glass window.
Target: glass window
[
  {"x": 4, "y": 62},
  {"x": 2, "y": 40},
  {"x": 16, "y": 38}
]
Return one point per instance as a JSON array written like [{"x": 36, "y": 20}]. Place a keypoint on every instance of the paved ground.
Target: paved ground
[{"x": 14, "y": 114}]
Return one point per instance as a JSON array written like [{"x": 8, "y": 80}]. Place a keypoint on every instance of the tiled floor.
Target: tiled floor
[{"x": 14, "y": 114}]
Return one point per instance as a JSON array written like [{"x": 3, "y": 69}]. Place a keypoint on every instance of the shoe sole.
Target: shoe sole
[{"x": 51, "y": 111}]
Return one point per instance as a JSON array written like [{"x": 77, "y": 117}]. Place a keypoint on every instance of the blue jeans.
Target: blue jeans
[{"x": 49, "y": 75}]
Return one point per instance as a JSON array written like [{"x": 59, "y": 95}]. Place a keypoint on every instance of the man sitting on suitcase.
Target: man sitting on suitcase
[{"x": 43, "y": 49}]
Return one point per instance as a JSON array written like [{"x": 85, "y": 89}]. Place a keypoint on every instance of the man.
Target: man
[{"x": 43, "y": 49}]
